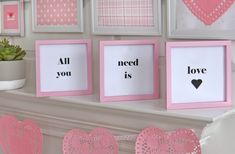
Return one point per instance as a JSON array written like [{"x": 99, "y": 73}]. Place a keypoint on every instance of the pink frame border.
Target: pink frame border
[
  {"x": 155, "y": 94},
  {"x": 64, "y": 93},
  {"x": 227, "y": 102}
]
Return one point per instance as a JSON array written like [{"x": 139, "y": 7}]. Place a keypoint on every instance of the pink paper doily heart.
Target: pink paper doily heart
[
  {"x": 99, "y": 141},
  {"x": 208, "y": 11},
  {"x": 20, "y": 137},
  {"x": 156, "y": 141}
]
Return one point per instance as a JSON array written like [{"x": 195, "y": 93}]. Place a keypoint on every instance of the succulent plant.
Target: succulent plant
[{"x": 10, "y": 52}]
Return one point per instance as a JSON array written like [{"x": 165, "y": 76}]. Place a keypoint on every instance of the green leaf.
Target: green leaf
[
  {"x": 9, "y": 52},
  {"x": 20, "y": 56}
]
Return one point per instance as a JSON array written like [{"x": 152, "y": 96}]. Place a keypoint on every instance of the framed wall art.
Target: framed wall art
[
  {"x": 12, "y": 18},
  {"x": 201, "y": 19},
  {"x": 129, "y": 70},
  {"x": 57, "y": 16},
  {"x": 198, "y": 74},
  {"x": 63, "y": 67},
  {"x": 129, "y": 17}
]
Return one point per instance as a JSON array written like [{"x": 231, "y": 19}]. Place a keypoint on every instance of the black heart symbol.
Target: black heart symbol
[{"x": 196, "y": 83}]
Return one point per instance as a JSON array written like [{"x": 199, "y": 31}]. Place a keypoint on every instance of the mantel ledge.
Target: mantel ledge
[{"x": 141, "y": 107}]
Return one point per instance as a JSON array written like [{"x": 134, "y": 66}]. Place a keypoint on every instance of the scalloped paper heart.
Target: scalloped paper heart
[
  {"x": 99, "y": 141},
  {"x": 156, "y": 141},
  {"x": 20, "y": 137},
  {"x": 208, "y": 11}
]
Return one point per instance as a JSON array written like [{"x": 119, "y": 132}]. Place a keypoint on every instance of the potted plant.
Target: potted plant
[{"x": 12, "y": 66}]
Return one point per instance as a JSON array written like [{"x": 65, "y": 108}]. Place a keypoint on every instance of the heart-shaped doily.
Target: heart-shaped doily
[
  {"x": 99, "y": 141},
  {"x": 20, "y": 137},
  {"x": 156, "y": 141},
  {"x": 208, "y": 11}
]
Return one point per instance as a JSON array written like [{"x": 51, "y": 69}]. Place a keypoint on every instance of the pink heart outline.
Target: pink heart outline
[
  {"x": 20, "y": 137},
  {"x": 156, "y": 141},
  {"x": 98, "y": 141},
  {"x": 208, "y": 11}
]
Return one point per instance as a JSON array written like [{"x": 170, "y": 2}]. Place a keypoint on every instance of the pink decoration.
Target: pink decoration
[
  {"x": 156, "y": 141},
  {"x": 99, "y": 141},
  {"x": 227, "y": 102},
  {"x": 208, "y": 11},
  {"x": 125, "y": 13},
  {"x": 20, "y": 137},
  {"x": 11, "y": 16},
  {"x": 57, "y": 12},
  {"x": 67, "y": 91},
  {"x": 132, "y": 95}
]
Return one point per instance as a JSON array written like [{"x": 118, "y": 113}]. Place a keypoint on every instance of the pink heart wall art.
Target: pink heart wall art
[
  {"x": 208, "y": 11},
  {"x": 98, "y": 141},
  {"x": 156, "y": 141},
  {"x": 20, "y": 137}
]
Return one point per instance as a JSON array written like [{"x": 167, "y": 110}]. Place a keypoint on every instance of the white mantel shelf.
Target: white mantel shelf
[
  {"x": 57, "y": 115},
  {"x": 150, "y": 107}
]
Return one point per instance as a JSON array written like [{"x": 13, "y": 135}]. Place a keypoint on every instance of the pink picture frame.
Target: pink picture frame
[
  {"x": 63, "y": 67},
  {"x": 198, "y": 74},
  {"x": 144, "y": 75},
  {"x": 12, "y": 15}
]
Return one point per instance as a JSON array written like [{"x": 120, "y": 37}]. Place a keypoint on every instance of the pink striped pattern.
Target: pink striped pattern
[{"x": 137, "y": 13}]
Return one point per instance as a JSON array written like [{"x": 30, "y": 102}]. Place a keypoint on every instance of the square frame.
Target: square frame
[
  {"x": 226, "y": 60},
  {"x": 154, "y": 72},
  {"x": 154, "y": 29},
  {"x": 65, "y": 46},
  {"x": 58, "y": 28},
  {"x": 19, "y": 31},
  {"x": 193, "y": 27}
]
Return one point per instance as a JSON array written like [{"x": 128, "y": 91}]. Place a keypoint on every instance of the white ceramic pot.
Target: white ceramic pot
[{"x": 12, "y": 74}]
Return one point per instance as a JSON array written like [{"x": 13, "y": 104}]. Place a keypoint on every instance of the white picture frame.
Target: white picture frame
[
  {"x": 67, "y": 19},
  {"x": 15, "y": 25},
  {"x": 136, "y": 25},
  {"x": 185, "y": 23}
]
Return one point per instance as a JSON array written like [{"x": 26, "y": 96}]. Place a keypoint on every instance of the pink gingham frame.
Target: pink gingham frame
[{"x": 142, "y": 17}]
